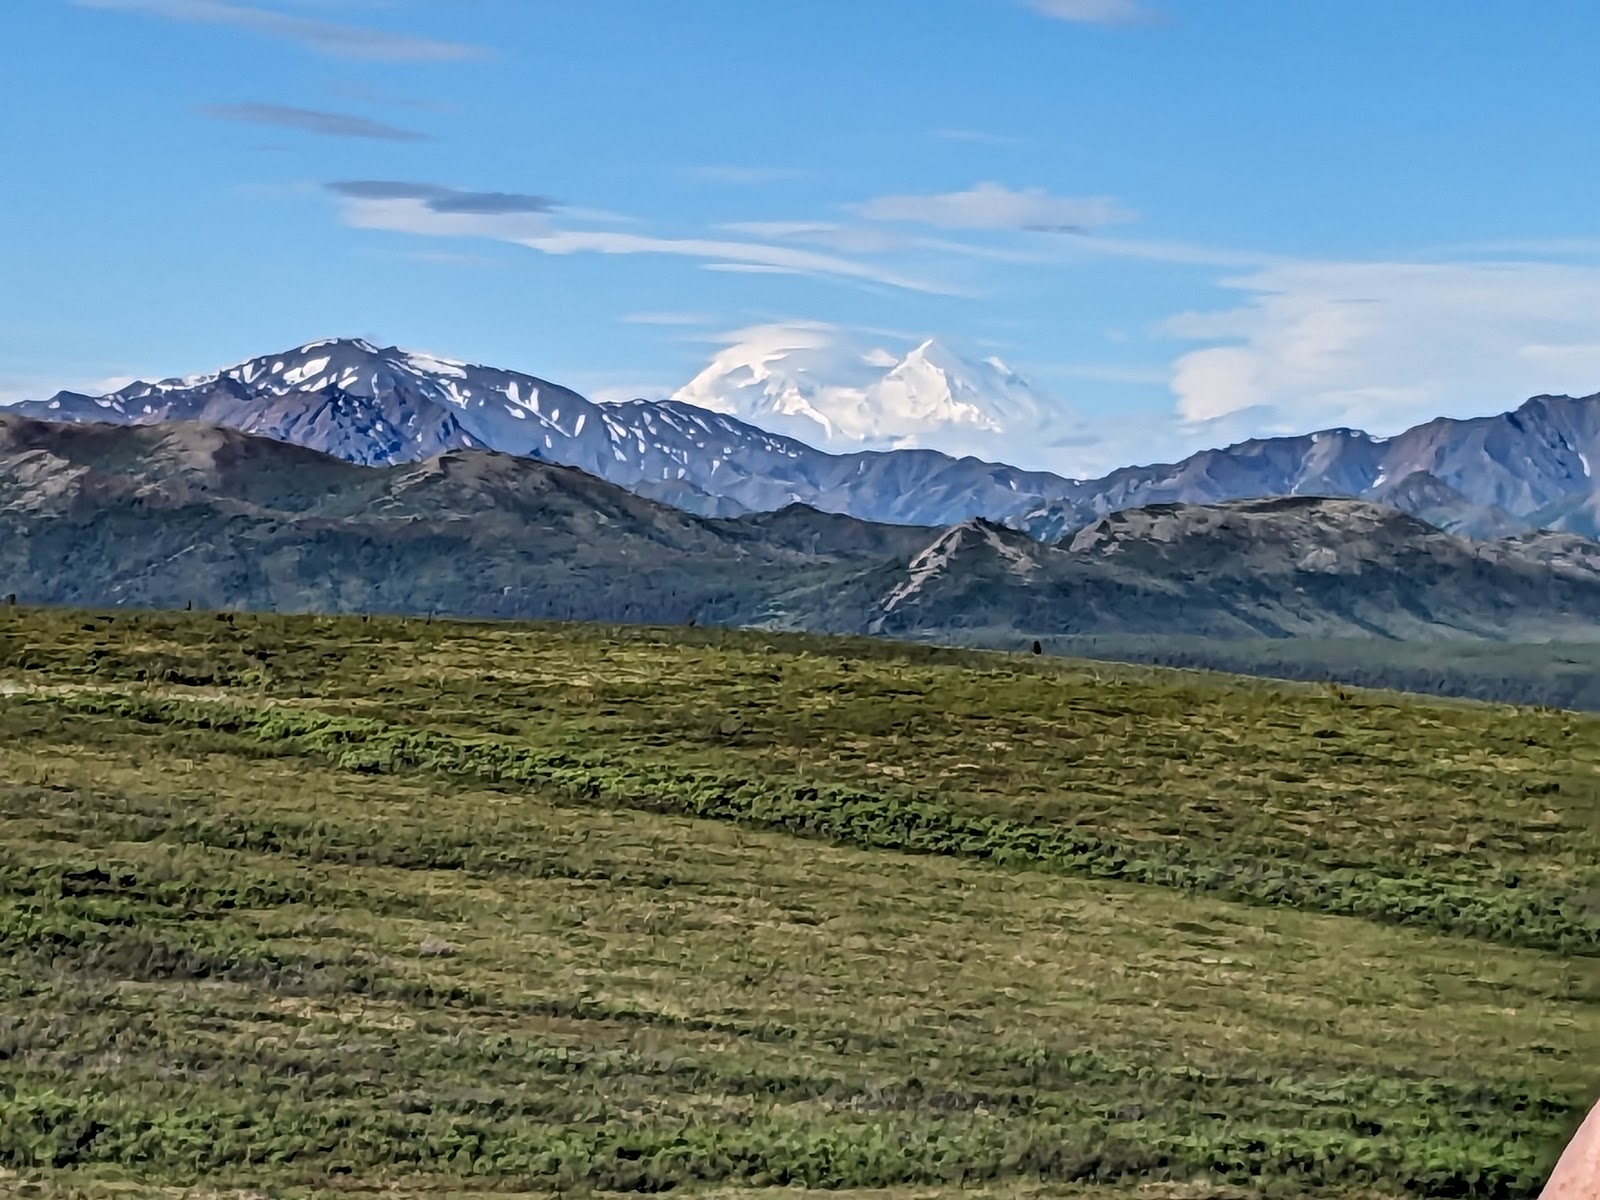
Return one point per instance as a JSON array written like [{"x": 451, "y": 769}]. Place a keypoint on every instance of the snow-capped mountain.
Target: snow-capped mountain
[
  {"x": 383, "y": 405},
  {"x": 814, "y": 383},
  {"x": 379, "y": 406},
  {"x": 1485, "y": 477}
]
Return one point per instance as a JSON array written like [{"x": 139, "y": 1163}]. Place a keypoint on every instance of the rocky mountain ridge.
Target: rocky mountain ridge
[
  {"x": 178, "y": 513},
  {"x": 1483, "y": 477}
]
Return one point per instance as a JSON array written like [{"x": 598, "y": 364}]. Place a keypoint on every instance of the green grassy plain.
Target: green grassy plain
[
  {"x": 296, "y": 905},
  {"x": 1552, "y": 674}
]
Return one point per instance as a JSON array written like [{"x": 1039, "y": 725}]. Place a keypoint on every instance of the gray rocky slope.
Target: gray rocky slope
[
  {"x": 1484, "y": 477},
  {"x": 162, "y": 516}
]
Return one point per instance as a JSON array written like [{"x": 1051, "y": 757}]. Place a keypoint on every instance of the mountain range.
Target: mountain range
[
  {"x": 1483, "y": 478},
  {"x": 178, "y": 513}
]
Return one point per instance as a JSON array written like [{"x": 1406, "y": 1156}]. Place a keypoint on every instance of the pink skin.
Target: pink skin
[{"x": 1577, "y": 1175}]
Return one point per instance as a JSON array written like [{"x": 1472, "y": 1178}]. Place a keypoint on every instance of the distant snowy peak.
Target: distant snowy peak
[
  {"x": 931, "y": 385},
  {"x": 506, "y": 409},
  {"x": 419, "y": 403},
  {"x": 379, "y": 406},
  {"x": 362, "y": 369},
  {"x": 835, "y": 392}
]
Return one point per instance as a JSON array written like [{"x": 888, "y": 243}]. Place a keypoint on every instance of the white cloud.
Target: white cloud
[
  {"x": 538, "y": 231},
  {"x": 1385, "y": 345},
  {"x": 1093, "y": 12},
  {"x": 994, "y": 206},
  {"x": 411, "y": 214}
]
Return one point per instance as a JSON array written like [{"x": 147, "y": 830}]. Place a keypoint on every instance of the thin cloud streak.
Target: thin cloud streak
[
  {"x": 1174, "y": 253},
  {"x": 734, "y": 268},
  {"x": 490, "y": 203},
  {"x": 442, "y": 199},
  {"x": 312, "y": 120},
  {"x": 1094, "y": 12},
  {"x": 666, "y": 318},
  {"x": 847, "y": 239},
  {"x": 994, "y": 206},
  {"x": 384, "y": 189},
  {"x": 417, "y": 213},
  {"x": 323, "y": 37},
  {"x": 738, "y": 255}
]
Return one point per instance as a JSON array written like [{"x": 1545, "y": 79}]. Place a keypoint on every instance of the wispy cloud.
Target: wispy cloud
[
  {"x": 323, "y": 37},
  {"x": 1094, "y": 12},
  {"x": 441, "y": 199},
  {"x": 385, "y": 189},
  {"x": 745, "y": 175},
  {"x": 1157, "y": 250},
  {"x": 743, "y": 268},
  {"x": 848, "y": 239},
  {"x": 877, "y": 239},
  {"x": 994, "y": 206},
  {"x": 728, "y": 255},
  {"x": 1383, "y": 345},
  {"x": 491, "y": 202},
  {"x": 667, "y": 318},
  {"x": 1576, "y": 247},
  {"x": 429, "y": 210},
  {"x": 312, "y": 120}
]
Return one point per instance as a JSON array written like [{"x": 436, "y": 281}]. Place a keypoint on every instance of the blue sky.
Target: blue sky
[{"x": 1187, "y": 220}]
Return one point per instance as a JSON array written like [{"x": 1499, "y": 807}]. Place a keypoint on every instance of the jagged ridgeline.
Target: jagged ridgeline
[
  {"x": 434, "y": 907},
  {"x": 184, "y": 514},
  {"x": 1486, "y": 477}
]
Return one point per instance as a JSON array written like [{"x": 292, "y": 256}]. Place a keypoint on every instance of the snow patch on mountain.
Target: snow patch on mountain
[
  {"x": 834, "y": 391},
  {"x": 945, "y": 552}
]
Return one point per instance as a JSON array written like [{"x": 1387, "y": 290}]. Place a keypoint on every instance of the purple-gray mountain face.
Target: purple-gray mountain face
[
  {"x": 1484, "y": 478},
  {"x": 99, "y": 515}
]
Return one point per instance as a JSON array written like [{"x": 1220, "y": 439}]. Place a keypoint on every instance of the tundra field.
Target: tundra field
[{"x": 297, "y": 906}]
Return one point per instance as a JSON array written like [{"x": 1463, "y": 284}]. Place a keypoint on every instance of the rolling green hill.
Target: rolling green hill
[{"x": 294, "y": 904}]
